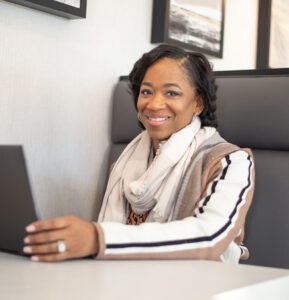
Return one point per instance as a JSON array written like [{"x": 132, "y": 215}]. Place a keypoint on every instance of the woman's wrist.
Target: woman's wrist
[{"x": 95, "y": 244}]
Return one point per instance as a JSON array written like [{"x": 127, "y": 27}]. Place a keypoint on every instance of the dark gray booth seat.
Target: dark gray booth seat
[{"x": 253, "y": 112}]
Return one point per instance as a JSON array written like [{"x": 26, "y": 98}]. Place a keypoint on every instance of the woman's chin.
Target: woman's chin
[{"x": 158, "y": 137}]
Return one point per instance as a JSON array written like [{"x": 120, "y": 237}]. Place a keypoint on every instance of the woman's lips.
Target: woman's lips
[{"x": 157, "y": 120}]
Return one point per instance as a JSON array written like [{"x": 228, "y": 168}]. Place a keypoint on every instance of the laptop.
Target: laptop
[{"x": 17, "y": 207}]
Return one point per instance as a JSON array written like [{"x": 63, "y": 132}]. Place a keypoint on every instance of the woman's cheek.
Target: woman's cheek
[{"x": 139, "y": 104}]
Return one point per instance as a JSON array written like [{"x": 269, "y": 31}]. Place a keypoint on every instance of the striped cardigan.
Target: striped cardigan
[{"x": 213, "y": 199}]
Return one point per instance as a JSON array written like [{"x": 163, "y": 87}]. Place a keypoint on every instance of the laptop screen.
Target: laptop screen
[{"x": 17, "y": 207}]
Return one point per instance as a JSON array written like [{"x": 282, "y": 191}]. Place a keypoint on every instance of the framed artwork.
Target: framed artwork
[
  {"x": 197, "y": 25},
  {"x": 71, "y": 9},
  {"x": 273, "y": 35}
]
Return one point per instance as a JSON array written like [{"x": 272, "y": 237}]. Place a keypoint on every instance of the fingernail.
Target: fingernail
[
  {"x": 27, "y": 249},
  {"x": 34, "y": 258},
  {"x": 30, "y": 228},
  {"x": 26, "y": 240}
]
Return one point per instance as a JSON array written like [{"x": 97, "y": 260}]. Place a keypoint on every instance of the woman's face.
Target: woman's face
[{"x": 167, "y": 100}]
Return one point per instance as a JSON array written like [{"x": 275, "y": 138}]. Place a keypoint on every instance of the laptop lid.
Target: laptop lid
[{"x": 17, "y": 207}]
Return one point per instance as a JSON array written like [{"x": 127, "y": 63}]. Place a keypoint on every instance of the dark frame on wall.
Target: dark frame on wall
[
  {"x": 273, "y": 38},
  {"x": 55, "y": 7},
  {"x": 263, "y": 41},
  {"x": 163, "y": 17}
]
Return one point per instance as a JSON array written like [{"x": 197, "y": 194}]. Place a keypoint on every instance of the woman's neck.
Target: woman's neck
[{"x": 156, "y": 144}]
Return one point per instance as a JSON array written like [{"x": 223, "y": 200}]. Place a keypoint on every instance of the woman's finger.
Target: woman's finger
[
  {"x": 50, "y": 224},
  {"x": 41, "y": 249},
  {"x": 45, "y": 237},
  {"x": 50, "y": 257}
]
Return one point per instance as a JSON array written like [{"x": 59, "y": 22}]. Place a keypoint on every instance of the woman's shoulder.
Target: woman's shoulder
[
  {"x": 213, "y": 157},
  {"x": 216, "y": 148}
]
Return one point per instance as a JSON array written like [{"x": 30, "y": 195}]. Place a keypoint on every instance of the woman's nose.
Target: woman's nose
[{"x": 156, "y": 102}]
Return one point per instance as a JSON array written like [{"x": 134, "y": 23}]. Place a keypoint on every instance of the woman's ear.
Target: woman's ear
[{"x": 200, "y": 104}]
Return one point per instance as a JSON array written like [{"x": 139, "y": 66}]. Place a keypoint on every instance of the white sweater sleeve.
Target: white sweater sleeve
[{"x": 207, "y": 234}]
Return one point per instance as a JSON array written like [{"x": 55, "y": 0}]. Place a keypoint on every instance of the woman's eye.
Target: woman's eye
[
  {"x": 172, "y": 93},
  {"x": 145, "y": 92}
]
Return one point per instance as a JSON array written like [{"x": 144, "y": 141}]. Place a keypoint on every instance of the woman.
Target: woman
[{"x": 187, "y": 188}]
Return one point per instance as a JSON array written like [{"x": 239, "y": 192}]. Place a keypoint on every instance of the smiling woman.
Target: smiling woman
[
  {"x": 187, "y": 188},
  {"x": 167, "y": 101}
]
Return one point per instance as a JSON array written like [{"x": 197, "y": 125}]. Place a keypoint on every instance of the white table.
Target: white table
[{"x": 155, "y": 279}]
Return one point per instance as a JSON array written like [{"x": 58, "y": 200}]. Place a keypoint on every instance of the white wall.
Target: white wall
[
  {"x": 240, "y": 36},
  {"x": 56, "y": 81}
]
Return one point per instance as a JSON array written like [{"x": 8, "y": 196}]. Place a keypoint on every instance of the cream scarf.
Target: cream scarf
[{"x": 151, "y": 187}]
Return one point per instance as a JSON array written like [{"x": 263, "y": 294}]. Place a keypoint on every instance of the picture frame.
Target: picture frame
[
  {"x": 195, "y": 25},
  {"x": 70, "y": 9},
  {"x": 263, "y": 39},
  {"x": 273, "y": 38}
]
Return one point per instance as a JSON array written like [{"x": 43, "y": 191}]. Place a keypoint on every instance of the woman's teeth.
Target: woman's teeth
[{"x": 158, "y": 119}]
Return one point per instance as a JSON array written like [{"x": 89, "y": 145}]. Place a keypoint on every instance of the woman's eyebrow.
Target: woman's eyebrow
[
  {"x": 147, "y": 83},
  {"x": 172, "y": 84},
  {"x": 165, "y": 85}
]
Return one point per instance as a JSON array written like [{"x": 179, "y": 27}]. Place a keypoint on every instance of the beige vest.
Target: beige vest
[{"x": 202, "y": 170}]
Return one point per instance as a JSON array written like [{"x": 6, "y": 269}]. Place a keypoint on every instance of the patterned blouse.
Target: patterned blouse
[{"x": 135, "y": 219}]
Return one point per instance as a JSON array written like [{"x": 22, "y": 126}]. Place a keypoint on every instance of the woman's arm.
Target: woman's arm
[
  {"x": 216, "y": 222},
  {"x": 214, "y": 225}
]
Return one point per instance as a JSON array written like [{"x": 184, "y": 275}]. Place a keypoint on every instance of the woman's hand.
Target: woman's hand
[{"x": 78, "y": 235}]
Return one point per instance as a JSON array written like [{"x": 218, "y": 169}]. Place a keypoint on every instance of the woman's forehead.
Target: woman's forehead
[{"x": 167, "y": 70}]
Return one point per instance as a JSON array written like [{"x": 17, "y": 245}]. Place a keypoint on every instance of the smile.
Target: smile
[{"x": 157, "y": 121}]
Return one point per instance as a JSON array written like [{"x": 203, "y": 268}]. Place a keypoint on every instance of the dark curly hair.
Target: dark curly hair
[{"x": 199, "y": 73}]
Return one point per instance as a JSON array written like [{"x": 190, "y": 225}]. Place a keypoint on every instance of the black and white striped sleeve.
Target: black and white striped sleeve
[{"x": 216, "y": 223}]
